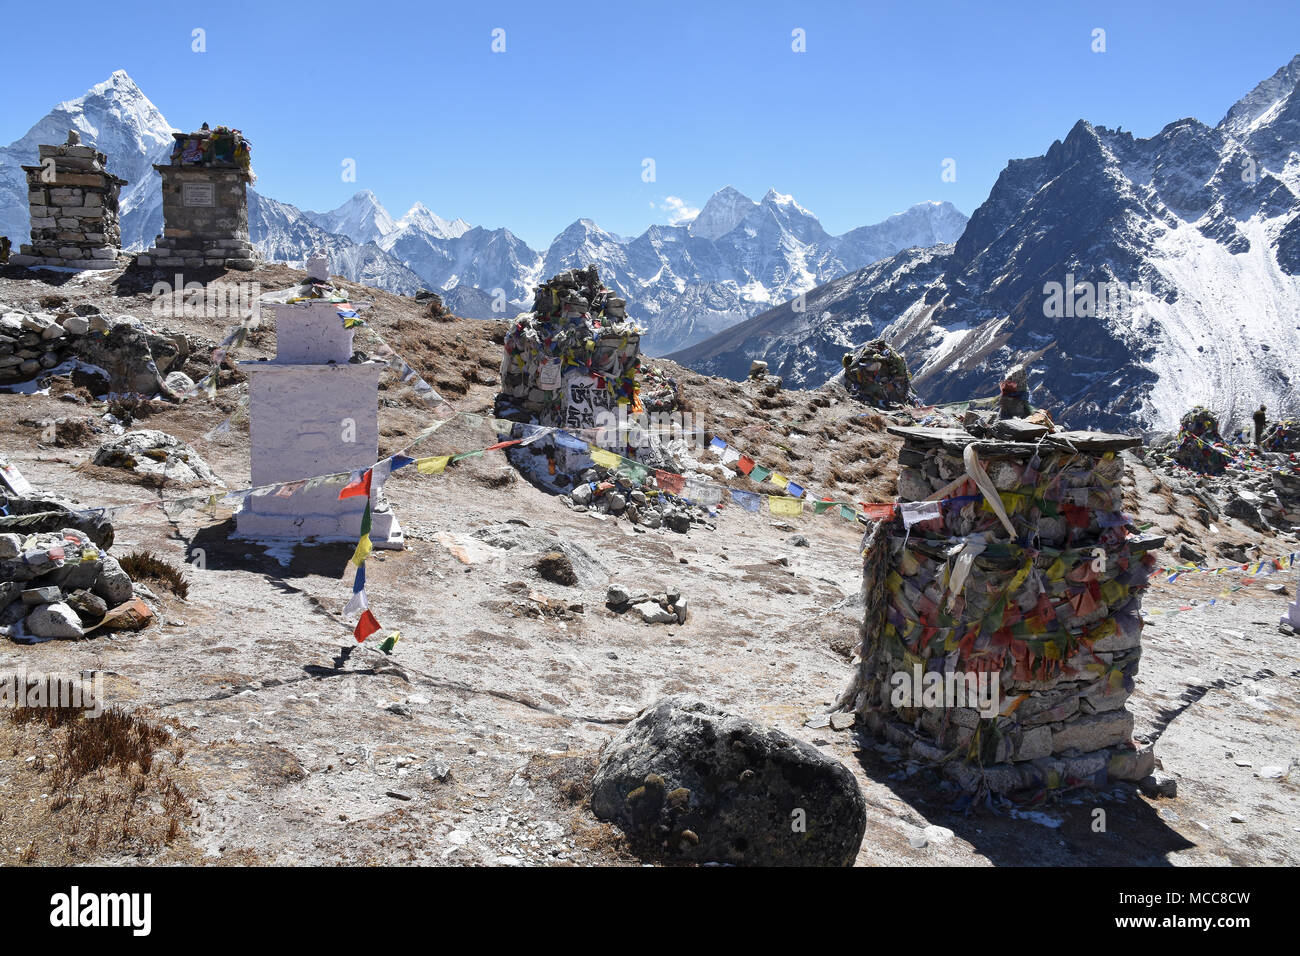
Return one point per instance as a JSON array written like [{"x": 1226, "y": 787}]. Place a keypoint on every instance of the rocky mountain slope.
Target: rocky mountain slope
[
  {"x": 1157, "y": 274},
  {"x": 684, "y": 282}
]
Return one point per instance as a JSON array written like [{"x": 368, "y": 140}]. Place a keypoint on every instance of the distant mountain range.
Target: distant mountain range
[
  {"x": 1156, "y": 273},
  {"x": 684, "y": 281}
]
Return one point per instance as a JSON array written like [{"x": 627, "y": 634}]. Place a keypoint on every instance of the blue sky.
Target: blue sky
[{"x": 557, "y": 127}]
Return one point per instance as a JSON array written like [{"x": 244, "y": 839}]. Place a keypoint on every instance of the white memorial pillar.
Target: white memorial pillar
[{"x": 312, "y": 411}]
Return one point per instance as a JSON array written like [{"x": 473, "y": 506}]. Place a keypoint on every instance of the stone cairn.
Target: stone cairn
[
  {"x": 1051, "y": 611},
  {"x": 1282, "y": 436},
  {"x": 205, "y": 203},
  {"x": 576, "y": 326},
  {"x": 1013, "y": 400},
  {"x": 62, "y": 584},
  {"x": 579, "y": 339},
  {"x": 877, "y": 374},
  {"x": 73, "y": 202},
  {"x": 1198, "y": 438}
]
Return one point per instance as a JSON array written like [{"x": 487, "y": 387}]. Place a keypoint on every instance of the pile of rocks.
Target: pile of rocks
[
  {"x": 1257, "y": 486},
  {"x": 73, "y": 203},
  {"x": 1282, "y": 435},
  {"x": 1013, "y": 393},
  {"x": 62, "y": 585},
  {"x": 117, "y": 354},
  {"x": 876, "y": 374},
  {"x": 577, "y": 328},
  {"x": 617, "y": 493},
  {"x": 155, "y": 454},
  {"x": 668, "y": 607},
  {"x": 1199, "y": 443},
  {"x": 1002, "y": 628}
]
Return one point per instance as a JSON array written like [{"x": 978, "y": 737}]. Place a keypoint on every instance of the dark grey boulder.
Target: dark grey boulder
[
  {"x": 688, "y": 782},
  {"x": 45, "y": 514}
]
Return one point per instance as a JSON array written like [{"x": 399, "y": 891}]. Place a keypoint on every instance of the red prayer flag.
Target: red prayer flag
[
  {"x": 360, "y": 487},
  {"x": 669, "y": 482},
  {"x": 503, "y": 444},
  {"x": 746, "y": 464},
  {"x": 875, "y": 512},
  {"x": 366, "y": 626}
]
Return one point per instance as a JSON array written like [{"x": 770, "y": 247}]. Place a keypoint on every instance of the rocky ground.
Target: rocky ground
[{"x": 476, "y": 740}]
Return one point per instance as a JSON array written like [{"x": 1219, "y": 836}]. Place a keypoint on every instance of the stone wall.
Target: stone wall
[
  {"x": 1048, "y": 618},
  {"x": 73, "y": 202}
]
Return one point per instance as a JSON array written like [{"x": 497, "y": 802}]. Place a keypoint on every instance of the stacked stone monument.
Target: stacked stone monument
[
  {"x": 205, "y": 203},
  {"x": 73, "y": 203},
  {"x": 876, "y": 373},
  {"x": 1009, "y": 563}
]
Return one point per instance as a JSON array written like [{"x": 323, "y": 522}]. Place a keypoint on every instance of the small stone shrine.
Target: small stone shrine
[
  {"x": 313, "y": 411},
  {"x": 73, "y": 202},
  {"x": 205, "y": 203}
]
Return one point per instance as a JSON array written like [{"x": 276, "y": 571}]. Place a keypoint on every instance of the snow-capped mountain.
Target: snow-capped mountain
[
  {"x": 362, "y": 219},
  {"x": 1156, "y": 274},
  {"x": 684, "y": 282},
  {"x": 114, "y": 116},
  {"x": 734, "y": 260}
]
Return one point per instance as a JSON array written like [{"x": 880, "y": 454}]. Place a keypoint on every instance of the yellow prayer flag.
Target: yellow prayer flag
[
  {"x": 606, "y": 459},
  {"x": 785, "y": 506},
  {"x": 779, "y": 480},
  {"x": 432, "y": 465},
  {"x": 364, "y": 547}
]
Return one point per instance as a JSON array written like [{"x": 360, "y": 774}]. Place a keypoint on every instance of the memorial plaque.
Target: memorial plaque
[{"x": 197, "y": 194}]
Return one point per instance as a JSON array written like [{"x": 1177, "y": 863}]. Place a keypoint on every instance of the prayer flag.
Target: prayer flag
[
  {"x": 878, "y": 512},
  {"x": 779, "y": 479},
  {"x": 784, "y": 506},
  {"x": 745, "y": 465},
  {"x": 848, "y": 513},
  {"x": 669, "y": 482},
  {"x": 390, "y": 642},
  {"x": 819, "y": 507},
  {"x": 357, "y": 487},
  {"x": 793, "y": 490},
  {"x": 759, "y": 473},
  {"x": 358, "y": 603},
  {"x": 433, "y": 465},
  {"x": 718, "y": 445},
  {"x": 746, "y": 499},
  {"x": 401, "y": 461},
  {"x": 606, "y": 459},
  {"x": 366, "y": 626}
]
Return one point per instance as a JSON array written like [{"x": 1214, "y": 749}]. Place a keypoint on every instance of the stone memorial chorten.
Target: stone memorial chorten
[
  {"x": 313, "y": 411},
  {"x": 73, "y": 201},
  {"x": 205, "y": 203}
]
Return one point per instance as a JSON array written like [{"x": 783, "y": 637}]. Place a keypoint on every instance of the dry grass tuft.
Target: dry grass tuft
[{"x": 147, "y": 566}]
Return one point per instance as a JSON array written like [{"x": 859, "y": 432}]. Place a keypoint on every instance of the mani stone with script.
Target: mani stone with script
[{"x": 313, "y": 411}]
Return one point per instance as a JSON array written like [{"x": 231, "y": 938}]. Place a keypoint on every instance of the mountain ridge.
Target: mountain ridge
[{"x": 680, "y": 280}]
